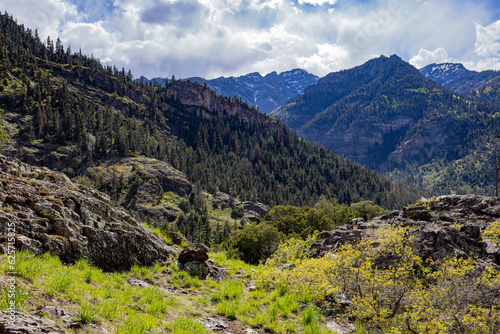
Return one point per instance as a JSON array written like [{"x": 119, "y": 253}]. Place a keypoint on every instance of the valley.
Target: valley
[{"x": 360, "y": 204}]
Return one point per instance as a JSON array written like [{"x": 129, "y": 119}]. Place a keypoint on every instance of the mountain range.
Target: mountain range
[
  {"x": 387, "y": 115},
  {"x": 127, "y": 207},
  {"x": 483, "y": 86},
  {"x": 70, "y": 113},
  {"x": 265, "y": 92}
]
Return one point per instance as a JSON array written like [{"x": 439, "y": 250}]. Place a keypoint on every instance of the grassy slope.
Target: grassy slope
[{"x": 173, "y": 302}]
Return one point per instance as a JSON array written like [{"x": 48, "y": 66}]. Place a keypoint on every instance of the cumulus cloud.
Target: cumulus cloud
[
  {"x": 327, "y": 58},
  {"x": 231, "y": 37},
  {"x": 44, "y": 15},
  {"x": 318, "y": 2},
  {"x": 426, "y": 57},
  {"x": 488, "y": 40}
]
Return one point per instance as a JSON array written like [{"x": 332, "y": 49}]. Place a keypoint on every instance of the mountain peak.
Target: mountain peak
[
  {"x": 266, "y": 92},
  {"x": 448, "y": 75}
]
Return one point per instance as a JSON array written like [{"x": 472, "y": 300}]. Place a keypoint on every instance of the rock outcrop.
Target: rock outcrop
[
  {"x": 252, "y": 211},
  {"x": 195, "y": 261},
  {"x": 52, "y": 214},
  {"x": 443, "y": 227},
  {"x": 144, "y": 182},
  {"x": 20, "y": 323}
]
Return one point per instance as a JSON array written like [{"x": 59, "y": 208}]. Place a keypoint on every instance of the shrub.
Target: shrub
[
  {"x": 390, "y": 287},
  {"x": 257, "y": 242},
  {"x": 290, "y": 250},
  {"x": 492, "y": 232}
]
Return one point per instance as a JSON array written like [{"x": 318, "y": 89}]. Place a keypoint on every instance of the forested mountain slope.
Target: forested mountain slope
[
  {"x": 70, "y": 112},
  {"x": 386, "y": 115}
]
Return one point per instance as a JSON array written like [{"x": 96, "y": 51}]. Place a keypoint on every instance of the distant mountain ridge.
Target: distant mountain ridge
[
  {"x": 455, "y": 77},
  {"x": 265, "y": 92},
  {"x": 386, "y": 115}
]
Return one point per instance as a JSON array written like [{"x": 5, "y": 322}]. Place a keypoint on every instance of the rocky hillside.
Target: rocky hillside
[
  {"x": 450, "y": 226},
  {"x": 265, "y": 92},
  {"x": 49, "y": 213}
]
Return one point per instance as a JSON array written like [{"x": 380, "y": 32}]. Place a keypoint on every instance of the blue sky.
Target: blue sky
[{"x": 211, "y": 38}]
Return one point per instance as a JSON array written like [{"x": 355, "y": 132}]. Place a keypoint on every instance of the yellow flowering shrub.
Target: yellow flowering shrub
[
  {"x": 492, "y": 232},
  {"x": 290, "y": 250},
  {"x": 384, "y": 284}
]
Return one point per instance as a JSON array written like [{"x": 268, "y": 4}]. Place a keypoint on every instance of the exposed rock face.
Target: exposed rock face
[
  {"x": 443, "y": 227},
  {"x": 329, "y": 241},
  {"x": 52, "y": 214},
  {"x": 145, "y": 181},
  {"x": 253, "y": 211},
  {"x": 26, "y": 324}
]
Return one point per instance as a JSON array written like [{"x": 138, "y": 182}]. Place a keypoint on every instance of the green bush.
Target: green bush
[{"x": 256, "y": 242}]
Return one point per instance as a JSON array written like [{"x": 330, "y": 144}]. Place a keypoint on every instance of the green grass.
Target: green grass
[
  {"x": 230, "y": 290},
  {"x": 185, "y": 325},
  {"x": 87, "y": 314},
  {"x": 107, "y": 299},
  {"x": 15, "y": 296},
  {"x": 158, "y": 232}
]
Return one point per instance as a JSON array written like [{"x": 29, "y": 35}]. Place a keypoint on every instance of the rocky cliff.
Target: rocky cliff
[{"x": 49, "y": 213}]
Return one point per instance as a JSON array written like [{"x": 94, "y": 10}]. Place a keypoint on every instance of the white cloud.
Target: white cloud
[
  {"x": 44, "y": 15},
  {"x": 231, "y": 37},
  {"x": 426, "y": 57},
  {"x": 488, "y": 39},
  {"x": 318, "y": 2},
  {"x": 328, "y": 58}
]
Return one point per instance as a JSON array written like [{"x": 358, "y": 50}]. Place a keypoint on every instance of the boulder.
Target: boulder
[
  {"x": 329, "y": 241},
  {"x": 287, "y": 266},
  {"x": 189, "y": 254},
  {"x": 418, "y": 213},
  {"x": 197, "y": 268},
  {"x": 52, "y": 214}
]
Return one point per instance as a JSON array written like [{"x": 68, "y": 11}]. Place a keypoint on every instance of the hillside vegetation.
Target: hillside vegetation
[
  {"x": 386, "y": 115},
  {"x": 67, "y": 111}
]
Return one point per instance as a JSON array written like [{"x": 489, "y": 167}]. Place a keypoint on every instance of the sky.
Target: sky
[{"x": 212, "y": 38}]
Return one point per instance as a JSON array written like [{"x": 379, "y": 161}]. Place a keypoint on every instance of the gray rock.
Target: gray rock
[
  {"x": 346, "y": 327},
  {"x": 196, "y": 268},
  {"x": 492, "y": 251},
  {"x": 329, "y": 241},
  {"x": 214, "y": 324},
  {"x": 251, "y": 331},
  {"x": 137, "y": 282},
  {"x": 287, "y": 266},
  {"x": 433, "y": 225},
  {"x": 418, "y": 213},
  {"x": 216, "y": 271},
  {"x": 20, "y": 323},
  {"x": 52, "y": 214},
  {"x": 257, "y": 209}
]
